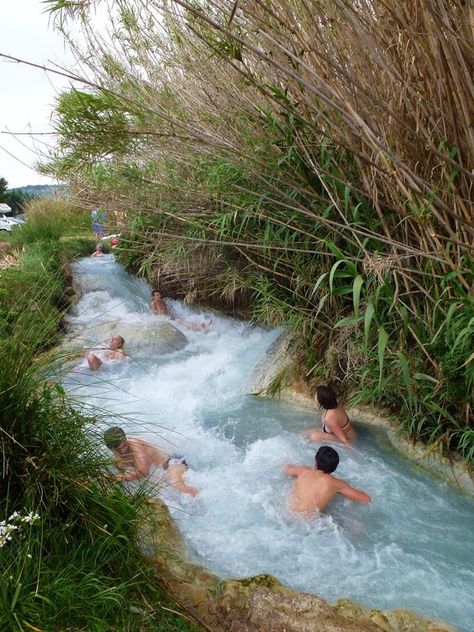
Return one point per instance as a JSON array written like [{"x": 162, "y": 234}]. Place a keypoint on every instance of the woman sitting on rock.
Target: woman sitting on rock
[{"x": 335, "y": 424}]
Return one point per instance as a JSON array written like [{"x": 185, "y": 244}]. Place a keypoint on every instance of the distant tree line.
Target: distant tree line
[{"x": 15, "y": 198}]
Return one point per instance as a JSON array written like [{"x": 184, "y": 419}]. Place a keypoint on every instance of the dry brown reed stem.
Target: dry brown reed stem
[{"x": 328, "y": 57}]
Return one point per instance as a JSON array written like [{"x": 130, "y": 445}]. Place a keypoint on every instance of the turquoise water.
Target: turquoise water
[{"x": 412, "y": 548}]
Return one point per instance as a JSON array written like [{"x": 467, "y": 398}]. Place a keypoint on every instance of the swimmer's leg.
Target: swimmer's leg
[
  {"x": 318, "y": 435},
  {"x": 93, "y": 361},
  {"x": 175, "y": 474}
]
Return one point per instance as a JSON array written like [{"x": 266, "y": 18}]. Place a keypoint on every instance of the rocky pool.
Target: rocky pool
[{"x": 412, "y": 548}]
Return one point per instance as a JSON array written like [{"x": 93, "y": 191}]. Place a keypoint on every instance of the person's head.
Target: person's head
[
  {"x": 116, "y": 342},
  {"x": 326, "y": 397},
  {"x": 327, "y": 459},
  {"x": 99, "y": 248},
  {"x": 155, "y": 294},
  {"x": 114, "y": 437},
  {"x": 114, "y": 242}
]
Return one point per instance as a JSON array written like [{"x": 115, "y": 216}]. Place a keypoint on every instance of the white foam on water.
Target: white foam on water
[{"x": 412, "y": 548}]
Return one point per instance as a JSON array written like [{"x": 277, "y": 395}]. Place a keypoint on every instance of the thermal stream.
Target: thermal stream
[{"x": 412, "y": 548}]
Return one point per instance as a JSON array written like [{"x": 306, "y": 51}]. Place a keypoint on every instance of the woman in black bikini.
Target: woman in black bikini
[{"x": 335, "y": 424}]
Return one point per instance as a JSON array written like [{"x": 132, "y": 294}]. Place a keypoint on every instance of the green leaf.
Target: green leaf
[
  {"x": 321, "y": 303},
  {"x": 343, "y": 290},
  {"x": 350, "y": 320},
  {"x": 59, "y": 389},
  {"x": 381, "y": 344},
  {"x": 405, "y": 367},
  {"x": 334, "y": 249},
  {"x": 369, "y": 314},
  {"x": 356, "y": 290},
  {"x": 333, "y": 272},
  {"x": 425, "y": 376},
  {"x": 318, "y": 282}
]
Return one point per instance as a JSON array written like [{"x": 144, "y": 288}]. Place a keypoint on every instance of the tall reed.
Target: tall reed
[{"x": 312, "y": 162}]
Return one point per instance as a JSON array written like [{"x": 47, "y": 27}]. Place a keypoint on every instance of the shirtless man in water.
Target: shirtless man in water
[
  {"x": 114, "y": 352},
  {"x": 314, "y": 489},
  {"x": 159, "y": 308},
  {"x": 134, "y": 457},
  {"x": 158, "y": 305}
]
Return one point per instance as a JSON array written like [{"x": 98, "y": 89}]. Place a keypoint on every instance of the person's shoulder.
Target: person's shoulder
[
  {"x": 339, "y": 483},
  {"x": 306, "y": 470},
  {"x": 135, "y": 441}
]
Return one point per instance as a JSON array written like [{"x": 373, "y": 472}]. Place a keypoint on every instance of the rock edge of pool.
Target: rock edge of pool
[{"x": 261, "y": 602}]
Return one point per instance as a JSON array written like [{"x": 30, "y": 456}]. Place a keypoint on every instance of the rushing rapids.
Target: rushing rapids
[{"x": 412, "y": 548}]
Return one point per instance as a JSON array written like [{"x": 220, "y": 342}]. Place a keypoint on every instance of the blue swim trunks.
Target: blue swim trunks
[{"x": 173, "y": 460}]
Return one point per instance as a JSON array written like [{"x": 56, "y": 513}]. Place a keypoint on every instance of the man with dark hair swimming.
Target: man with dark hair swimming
[
  {"x": 135, "y": 458},
  {"x": 314, "y": 488}
]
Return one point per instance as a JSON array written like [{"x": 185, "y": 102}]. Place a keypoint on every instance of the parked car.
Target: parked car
[{"x": 5, "y": 224}]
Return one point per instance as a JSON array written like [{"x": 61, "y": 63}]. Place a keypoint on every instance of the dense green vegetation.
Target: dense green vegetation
[
  {"x": 308, "y": 163},
  {"x": 69, "y": 558}
]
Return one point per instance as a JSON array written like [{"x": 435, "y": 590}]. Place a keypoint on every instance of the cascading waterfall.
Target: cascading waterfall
[{"x": 412, "y": 548}]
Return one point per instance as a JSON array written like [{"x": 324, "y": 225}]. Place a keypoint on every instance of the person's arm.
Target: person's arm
[
  {"x": 353, "y": 494},
  {"x": 291, "y": 470},
  {"x": 337, "y": 431},
  {"x": 139, "y": 469},
  {"x": 115, "y": 355}
]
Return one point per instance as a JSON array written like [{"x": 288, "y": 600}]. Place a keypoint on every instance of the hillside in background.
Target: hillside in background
[{"x": 42, "y": 190}]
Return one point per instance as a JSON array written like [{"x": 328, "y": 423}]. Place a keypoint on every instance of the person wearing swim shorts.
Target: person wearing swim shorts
[
  {"x": 335, "y": 423},
  {"x": 314, "y": 488},
  {"x": 135, "y": 458}
]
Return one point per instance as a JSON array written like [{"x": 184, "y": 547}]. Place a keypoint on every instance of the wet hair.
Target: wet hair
[
  {"x": 122, "y": 340},
  {"x": 326, "y": 397},
  {"x": 113, "y": 437},
  {"x": 155, "y": 292},
  {"x": 327, "y": 459},
  {"x": 99, "y": 246}
]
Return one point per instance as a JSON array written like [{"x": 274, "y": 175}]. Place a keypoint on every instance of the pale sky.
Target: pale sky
[{"x": 27, "y": 95}]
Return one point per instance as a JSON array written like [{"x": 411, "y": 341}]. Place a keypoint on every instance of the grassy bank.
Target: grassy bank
[{"x": 69, "y": 558}]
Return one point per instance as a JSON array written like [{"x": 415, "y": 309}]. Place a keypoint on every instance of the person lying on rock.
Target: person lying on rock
[
  {"x": 114, "y": 352},
  {"x": 335, "y": 424},
  {"x": 99, "y": 251},
  {"x": 159, "y": 308},
  {"x": 135, "y": 458},
  {"x": 314, "y": 488}
]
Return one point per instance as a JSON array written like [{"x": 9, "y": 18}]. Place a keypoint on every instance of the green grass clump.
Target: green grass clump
[{"x": 69, "y": 557}]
